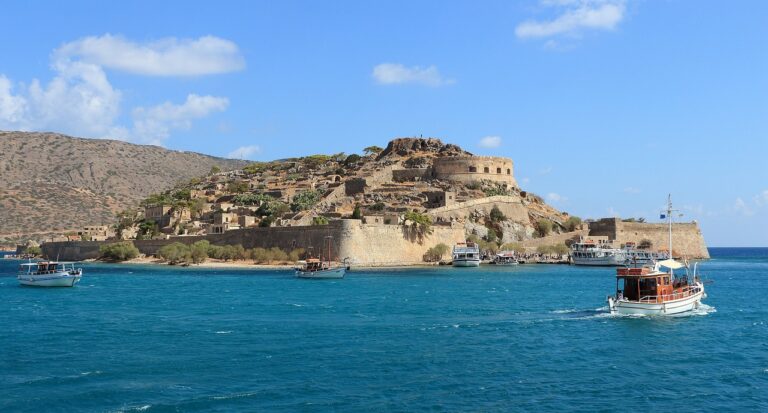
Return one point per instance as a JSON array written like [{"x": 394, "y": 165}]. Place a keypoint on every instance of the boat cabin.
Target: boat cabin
[
  {"x": 45, "y": 267},
  {"x": 312, "y": 264},
  {"x": 649, "y": 285},
  {"x": 464, "y": 251}
]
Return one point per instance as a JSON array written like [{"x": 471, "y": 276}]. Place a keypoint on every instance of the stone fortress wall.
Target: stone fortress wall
[
  {"x": 474, "y": 168},
  {"x": 364, "y": 244},
  {"x": 687, "y": 239}
]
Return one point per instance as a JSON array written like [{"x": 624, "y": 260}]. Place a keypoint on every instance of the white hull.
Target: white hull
[
  {"x": 466, "y": 263},
  {"x": 682, "y": 305},
  {"x": 49, "y": 280},
  {"x": 607, "y": 261},
  {"x": 322, "y": 274}
]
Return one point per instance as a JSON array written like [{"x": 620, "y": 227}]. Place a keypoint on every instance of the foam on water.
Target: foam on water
[{"x": 539, "y": 338}]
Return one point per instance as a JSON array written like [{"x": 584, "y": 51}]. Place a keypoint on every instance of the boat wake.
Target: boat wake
[{"x": 582, "y": 314}]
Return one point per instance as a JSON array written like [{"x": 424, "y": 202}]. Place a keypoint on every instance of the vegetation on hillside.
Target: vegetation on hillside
[{"x": 119, "y": 251}]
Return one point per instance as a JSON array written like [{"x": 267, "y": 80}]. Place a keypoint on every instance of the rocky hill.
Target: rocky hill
[
  {"x": 411, "y": 179},
  {"x": 51, "y": 183}
]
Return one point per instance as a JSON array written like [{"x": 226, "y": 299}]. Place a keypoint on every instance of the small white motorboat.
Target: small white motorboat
[{"x": 49, "y": 274}]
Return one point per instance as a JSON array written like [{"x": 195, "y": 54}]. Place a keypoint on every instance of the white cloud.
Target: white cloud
[
  {"x": 244, "y": 152},
  {"x": 742, "y": 208},
  {"x": 574, "y": 17},
  {"x": 78, "y": 100},
  {"x": 153, "y": 125},
  {"x": 490, "y": 142},
  {"x": 554, "y": 197},
  {"x": 545, "y": 171},
  {"x": 165, "y": 57},
  {"x": 81, "y": 101},
  {"x": 524, "y": 180},
  {"x": 395, "y": 73},
  {"x": 632, "y": 190},
  {"x": 762, "y": 198}
]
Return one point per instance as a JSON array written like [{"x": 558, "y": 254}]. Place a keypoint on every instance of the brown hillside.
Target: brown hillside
[{"x": 51, "y": 183}]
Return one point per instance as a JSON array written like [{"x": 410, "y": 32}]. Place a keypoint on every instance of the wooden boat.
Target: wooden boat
[
  {"x": 656, "y": 289},
  {"x": 318, "y": 268}
]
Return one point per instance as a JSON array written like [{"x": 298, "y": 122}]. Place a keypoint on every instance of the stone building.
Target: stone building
[{"x": 474, "y": 168}]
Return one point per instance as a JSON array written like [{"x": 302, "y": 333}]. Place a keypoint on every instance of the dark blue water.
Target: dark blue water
[{"x": 532, "y": 338}]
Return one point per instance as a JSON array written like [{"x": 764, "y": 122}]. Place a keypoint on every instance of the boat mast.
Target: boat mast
[{"x": 669, "y": 219}]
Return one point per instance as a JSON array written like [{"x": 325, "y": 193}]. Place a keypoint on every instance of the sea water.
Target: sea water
[{"x": 527, "y": 338}]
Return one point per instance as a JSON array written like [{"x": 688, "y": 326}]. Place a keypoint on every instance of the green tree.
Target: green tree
[
  {"x": 119, "y": 251},
  {"x": 352, "y": 159},
  {"x": 560, "y": 249},
  {"x": 175, "y": 253},
  {"x": 305, "y": 200},
  {"x": 260, "y": 255},
  {"x": 148, "y": 229},
  {"x": 357, "y": 213},
  {"x": 372, "y": 150},
  {"x": 496, "y": 215},
  {"x": 422, "y": 223},
  {"x": 237, "y": 187},
  {"x": 543, "y": 227},
  {"x": 319, "y": 220},
  {"x": 266, "y": 222},
  {"x": 214, "y": 170},
  {"x": 441, "y": 249},
  {"x": 199, "y": 251},
  {"x": 572, "y": 223},
  {"x": 278, "y": 255},
  {"x": 34, "y": 251},
  {"x": 296, "y": 254}
]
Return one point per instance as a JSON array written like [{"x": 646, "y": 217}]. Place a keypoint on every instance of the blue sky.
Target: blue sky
[{"x": 605, "y": 106}]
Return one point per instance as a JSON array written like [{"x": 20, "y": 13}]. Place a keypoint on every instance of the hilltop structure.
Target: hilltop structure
[{"x": 388, "y": 207}]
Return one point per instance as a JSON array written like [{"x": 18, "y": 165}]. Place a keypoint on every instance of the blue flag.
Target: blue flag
[{"x": 662, "y": 216}]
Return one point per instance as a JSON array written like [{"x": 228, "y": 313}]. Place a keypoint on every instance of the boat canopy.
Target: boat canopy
[{"x": 671, "y": 264}]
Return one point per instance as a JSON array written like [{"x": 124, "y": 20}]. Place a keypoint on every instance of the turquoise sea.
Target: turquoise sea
[{"x": 532, "y": 338}]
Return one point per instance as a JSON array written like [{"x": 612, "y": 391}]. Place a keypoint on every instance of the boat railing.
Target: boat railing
[{"x": 676, "y": 295}]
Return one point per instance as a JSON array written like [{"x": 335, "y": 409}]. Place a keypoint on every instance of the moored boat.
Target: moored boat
[
  {"x": 49, "y": 274},
  {"x": 587, "y": 252},
  {"x": 505, "y": 258},
  {"x": 317, "y": 268},
  {"x": 466, "y": 254}
]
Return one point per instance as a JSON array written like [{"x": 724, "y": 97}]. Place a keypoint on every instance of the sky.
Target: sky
[{"x": 605, "y": 106}]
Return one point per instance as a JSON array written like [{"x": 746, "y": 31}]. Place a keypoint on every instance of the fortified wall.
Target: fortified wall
[
  {"x": 364, "y": 244},
  {"x": 464, "y": 169},
  {"x": 474, "y": 168},
  {"x": 687, "y": 239}
]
